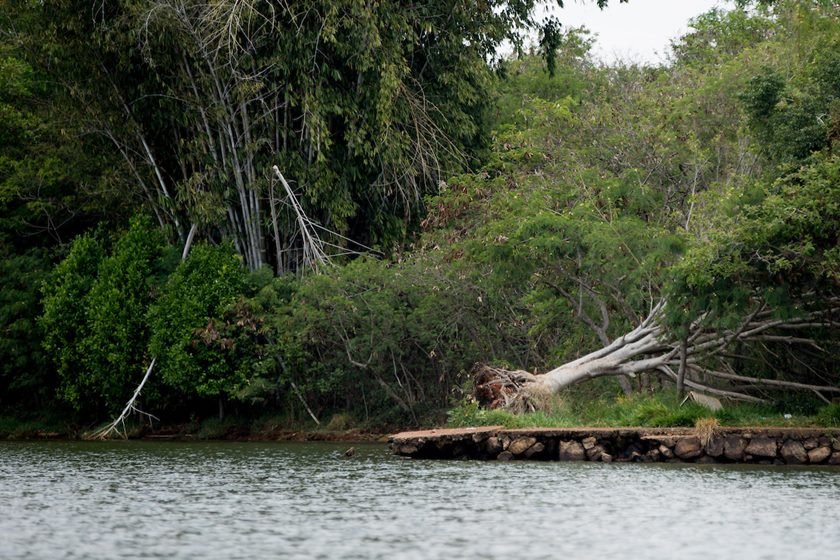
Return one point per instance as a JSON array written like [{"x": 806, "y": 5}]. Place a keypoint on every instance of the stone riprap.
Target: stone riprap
[{"x": 791, "y": 446}]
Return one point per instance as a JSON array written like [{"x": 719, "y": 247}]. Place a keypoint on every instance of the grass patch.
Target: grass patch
[
  {"x": 830, "y": 415},
  {"x": 706, "y": 428},
  {"x": 470, "y": 414},
  {"x": 661, "y": 410}
]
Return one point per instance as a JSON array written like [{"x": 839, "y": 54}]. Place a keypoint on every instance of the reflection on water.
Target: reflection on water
[{"x": 284, "y": 500}]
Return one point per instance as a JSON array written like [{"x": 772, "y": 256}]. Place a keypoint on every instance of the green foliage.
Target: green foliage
[
  {"x": 49, "y": 172},
  {"x": 195, "y": 356},
  {"x": 550, "y": 39},
  {"x": 24, "y": 374},
  {"x": 762, "y": 94},
  {"x": 22, "y": 426},
  {"x": 364, "y": 107},
  {"x": 829, "y": 415},
  {"x": 215, "y": 428},
  {"x": 117, "y": 333},
  {"x": 785, "y": 244},
  {"x": 658, "y": 410},
  {"x": 791, "y": 101},
  {"x": 47, "y": 168},
  {"x": 94, "y": 316},
  {"x": 384, "y": 341},
  {"x": 64, "y": 320},
  {"x": 340, "y": 422},
  {"x": 469, "y": 414},
  {"x": 719, "y": 35},
  {"x": 787, "y": 122}
]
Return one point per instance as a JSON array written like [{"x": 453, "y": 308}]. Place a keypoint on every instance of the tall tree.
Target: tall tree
[{"x": 365, "y": 107}]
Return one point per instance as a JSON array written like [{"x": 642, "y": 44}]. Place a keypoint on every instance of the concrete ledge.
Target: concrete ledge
[{"x": 815, "y": 446}]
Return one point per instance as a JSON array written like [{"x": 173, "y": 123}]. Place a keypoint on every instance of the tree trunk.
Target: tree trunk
[{"x": 683, "y": 367}]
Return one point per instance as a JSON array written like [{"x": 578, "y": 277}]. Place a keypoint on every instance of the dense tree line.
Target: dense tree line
[
  {"x": 181, "y": 110},
  {"x": 513, "y": 213}
]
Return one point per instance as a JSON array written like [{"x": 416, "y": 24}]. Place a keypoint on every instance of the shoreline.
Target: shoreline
[
  {"x": 232, "y": 435},
  {"x": 718, "y": 444}
]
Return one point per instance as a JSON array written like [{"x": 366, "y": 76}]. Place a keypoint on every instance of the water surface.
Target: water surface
[{"x": 292, "y": 500}]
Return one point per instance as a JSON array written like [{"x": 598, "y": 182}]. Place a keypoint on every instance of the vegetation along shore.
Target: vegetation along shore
[{"x": 212, "y": 223}]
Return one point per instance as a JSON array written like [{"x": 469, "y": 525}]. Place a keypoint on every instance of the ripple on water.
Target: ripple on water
[{"x": 208, "y": 500}]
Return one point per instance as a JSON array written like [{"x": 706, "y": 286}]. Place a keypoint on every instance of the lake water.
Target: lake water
[{"x": 286, "y": 500}]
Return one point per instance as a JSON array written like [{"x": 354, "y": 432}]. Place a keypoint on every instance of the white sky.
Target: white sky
[{"x": 639, "y": 31}]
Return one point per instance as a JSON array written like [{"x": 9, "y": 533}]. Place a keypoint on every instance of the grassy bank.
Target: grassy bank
[{"x": 644, "y": 410}]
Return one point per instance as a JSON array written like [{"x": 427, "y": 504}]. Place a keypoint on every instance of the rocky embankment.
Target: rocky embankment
[{"x": 791, "y": 446}]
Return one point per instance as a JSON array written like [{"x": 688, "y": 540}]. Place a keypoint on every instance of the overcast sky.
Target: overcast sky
[{"x": 639, "y": 31}]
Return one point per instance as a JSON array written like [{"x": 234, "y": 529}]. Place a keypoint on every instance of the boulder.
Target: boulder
[
  {"x": 762, "y": 447},
  {"x": 810, "y": 443},
  {"x": 793, "y": 452},
  {"x": 534, "y": 449},
  {"x": 504, "y": 456},
  {"x": 571, "y": 451},
  {"x": 607, "y": 458},
  {"x": 521, "y": 445},
  {"x": 493, "y": 446},
  {"x": 733, "y": 447},
  {"x": 835, "y": 444},
  {"x": 407, "y": 449},
  {"x": 589, "y": 443},
  {"x": 834, "y": 459},
  {"x": 715, "y": 446},
  {"x": 688, "y": 448},
  {"x": 819, "y": 454},
  {"x": 666, "y": 451},
  {"x": 594, "y": 453}
]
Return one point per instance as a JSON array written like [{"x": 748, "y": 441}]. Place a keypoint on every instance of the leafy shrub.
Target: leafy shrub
[
  {"x": 95, "y": 315},
  {"x": 195, "y": 355},
  {"x": 115, "y": 311},
  {"x": 829, "y": 415},
  {"x": 65, "y": 313}
]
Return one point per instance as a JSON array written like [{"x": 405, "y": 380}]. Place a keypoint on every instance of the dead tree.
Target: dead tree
[
  {"x": 117, "y": 426},
  {"x": 702, "y": 357}
]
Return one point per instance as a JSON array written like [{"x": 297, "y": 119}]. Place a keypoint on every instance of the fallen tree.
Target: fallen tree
[{"x": 701, "y": 360}]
